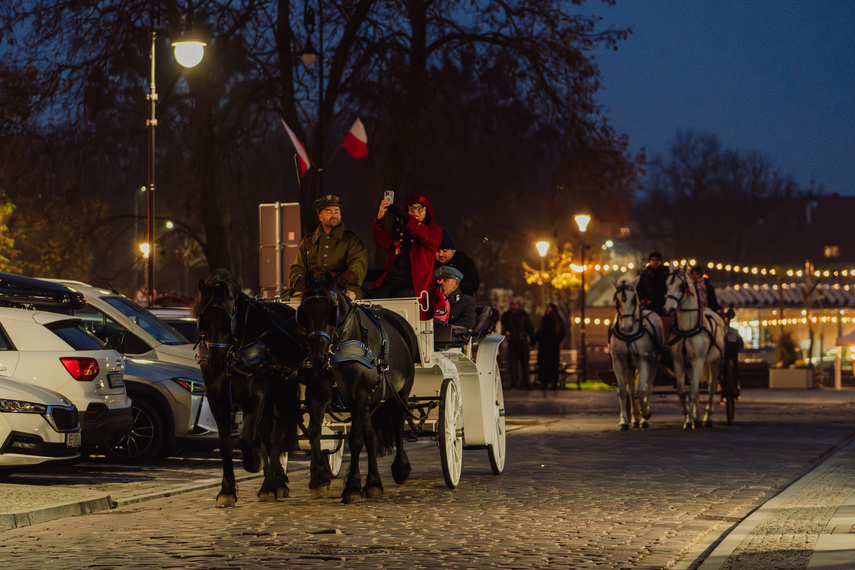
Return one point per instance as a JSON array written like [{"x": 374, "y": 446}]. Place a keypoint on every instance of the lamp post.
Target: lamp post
[
  {"x": 309, "y": 55},
  {"x": 582, "y": 221},
  {"x": 188, "y": 53},
  {"x": 542, "y": 248}
]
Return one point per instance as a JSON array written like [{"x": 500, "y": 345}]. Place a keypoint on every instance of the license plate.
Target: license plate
[
  {"x": 116, "y": 379},
  {"x": 72, "y": 439}
]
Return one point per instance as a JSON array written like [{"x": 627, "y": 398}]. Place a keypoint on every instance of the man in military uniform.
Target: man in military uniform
[{"x": 331, "y": 248}]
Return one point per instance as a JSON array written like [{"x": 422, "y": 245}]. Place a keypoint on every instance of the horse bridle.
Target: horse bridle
[
  {"x": 215, "y": 302},
  {"x": 684, "y": 290},
  {"x": 622, "y": 288},
  {"x": 318, "y": 293}
]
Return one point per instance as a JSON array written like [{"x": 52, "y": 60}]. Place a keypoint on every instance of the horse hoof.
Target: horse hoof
[
  {"x": 647, "y": 415},
  {"x": 624, "y": 427},
  {"x": 350, "y": 498},
  {"x": 226, "y": 501},
  {"x": 321, "y": 492},
  {"x": 708, "y": 424},
  {"x": 282, "y": 493},
  {"x": 635, "y": 424},
  {"x": 266, "y": 497},
  {"x": 645, "y": 425},
  {"x": 401, "y": 473},
  {"x": 688, "y": 425},
  {"x": 699, "y": 424},
  {"x": 373, "y": 492}
]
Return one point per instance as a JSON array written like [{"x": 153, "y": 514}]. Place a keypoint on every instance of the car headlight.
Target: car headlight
[
  {"x": 193, "y": 386},
  {"x": 22, "y": 407}
]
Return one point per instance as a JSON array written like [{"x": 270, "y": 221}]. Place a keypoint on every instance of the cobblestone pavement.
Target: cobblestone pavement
[{"x": 576, "y": 493}]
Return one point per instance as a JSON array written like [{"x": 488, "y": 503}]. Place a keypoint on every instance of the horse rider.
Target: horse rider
[{"x": 331, "y": 248}]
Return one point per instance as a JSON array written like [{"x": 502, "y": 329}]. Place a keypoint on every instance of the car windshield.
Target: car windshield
[{"x": 151, "y": 324}]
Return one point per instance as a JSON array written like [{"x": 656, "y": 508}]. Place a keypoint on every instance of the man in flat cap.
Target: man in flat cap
[
  {"x": 331, "y": 248},
  {"x": 462, "y": 306}
]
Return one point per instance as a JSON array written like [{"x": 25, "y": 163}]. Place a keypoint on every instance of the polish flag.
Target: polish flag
[
  {"x": 356, "y": 141},
  {"x": 301, "y": 150}
]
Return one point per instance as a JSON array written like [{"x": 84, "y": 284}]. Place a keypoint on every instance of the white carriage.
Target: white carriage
[{"x": 456, "y": 398}]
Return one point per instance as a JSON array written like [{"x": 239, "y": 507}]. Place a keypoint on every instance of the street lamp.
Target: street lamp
[
  {"x": 542, "y": 248},
  {"x": 309, "y": 55},
  {"x": 183, "y": 47},
  {"x": 582, "y": 221}
]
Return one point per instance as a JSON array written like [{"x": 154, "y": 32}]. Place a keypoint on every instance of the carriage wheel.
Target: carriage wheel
[
  {"x": 729, "y": 390},
  {"x": 450, "y": 433},
  {"x": 335, "y": 457},
  {"x": 496, "y": 450}
]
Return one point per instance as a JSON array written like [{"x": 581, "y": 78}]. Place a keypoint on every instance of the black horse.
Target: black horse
[
  {"x": 363, "y": 360},
  {"x": 249, "y": 353}
]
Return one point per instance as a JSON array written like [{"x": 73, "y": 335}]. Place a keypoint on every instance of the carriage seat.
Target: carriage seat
[{"x": 450, "y": 336}]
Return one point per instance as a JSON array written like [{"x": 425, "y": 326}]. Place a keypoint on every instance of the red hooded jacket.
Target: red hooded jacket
[{"x": 426, "y": 238}]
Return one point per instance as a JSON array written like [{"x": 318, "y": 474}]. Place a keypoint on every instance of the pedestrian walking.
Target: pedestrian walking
[
  {"x": 519, "y": 332},
  {"x": 549, "y": 336}
]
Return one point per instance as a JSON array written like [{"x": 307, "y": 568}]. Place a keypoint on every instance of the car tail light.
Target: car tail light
[{"x": 82, "y": 369}]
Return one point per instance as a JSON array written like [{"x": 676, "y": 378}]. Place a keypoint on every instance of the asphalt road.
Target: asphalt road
[{"x": 576, "y": 493}]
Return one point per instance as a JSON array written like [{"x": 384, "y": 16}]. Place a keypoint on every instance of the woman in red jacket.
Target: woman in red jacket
[{"x": 411, "y": 242}]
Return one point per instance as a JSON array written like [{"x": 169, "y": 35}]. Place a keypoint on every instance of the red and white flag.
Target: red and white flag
[
  {"x": 301, "y": 150},
  {"x": 356, "y": 141}
]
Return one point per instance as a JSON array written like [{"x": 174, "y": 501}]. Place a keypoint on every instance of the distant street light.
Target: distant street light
[
  {"x": 542, "y": 248},
  {"x": 188, "y": 53},
  {"x": 582, "y": 221}
]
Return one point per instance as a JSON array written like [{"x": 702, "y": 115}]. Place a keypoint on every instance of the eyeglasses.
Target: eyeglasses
[{"x": 416, "y": 208}]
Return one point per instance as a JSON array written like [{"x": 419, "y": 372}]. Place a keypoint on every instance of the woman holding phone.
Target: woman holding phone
[{"x": 411, "y": 240}]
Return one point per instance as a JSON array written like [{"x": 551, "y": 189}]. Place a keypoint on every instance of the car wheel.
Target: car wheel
[{"x": 145, "y": 438}]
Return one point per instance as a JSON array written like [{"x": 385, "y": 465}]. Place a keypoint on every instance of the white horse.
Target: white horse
[
  {"x": 633, "y": 341},
  {"x": 696, "y": 339}
]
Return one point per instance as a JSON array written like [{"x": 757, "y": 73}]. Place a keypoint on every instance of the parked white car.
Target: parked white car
[
  {"x": 55, "y": 352},
  {"x": 36, "y": 426},
  {"x": 170, "y": 412},
  {"x": 128, "y": 327}
]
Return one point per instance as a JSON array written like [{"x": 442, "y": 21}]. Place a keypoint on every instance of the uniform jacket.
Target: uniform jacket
[
  {"x": 462, "y": 310},
  {"x": 336, "y": 252},
  {"x": 652, "y": 287},
  {"x": 426, "y": 238}
]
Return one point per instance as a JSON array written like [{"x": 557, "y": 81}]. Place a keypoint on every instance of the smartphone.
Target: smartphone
[{"x": 389, "y": 195}]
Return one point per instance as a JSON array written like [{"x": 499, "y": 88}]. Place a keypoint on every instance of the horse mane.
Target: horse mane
[{"x": 207, "y": 289}]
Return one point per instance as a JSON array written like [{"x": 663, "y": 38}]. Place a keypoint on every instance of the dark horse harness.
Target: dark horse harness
[
  {"x": 245, "y": 356},
  {"x": 344, "y": 349},
  {"x": 630, "y": 338}
]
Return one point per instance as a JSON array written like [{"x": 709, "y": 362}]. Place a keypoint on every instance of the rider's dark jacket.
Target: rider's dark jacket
[{"x": 652, "y": 288}]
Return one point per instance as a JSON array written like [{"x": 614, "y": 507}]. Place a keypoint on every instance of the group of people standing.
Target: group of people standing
[
  {"x": 421, "y": 259},
  {"x": 521, "y": 338}
]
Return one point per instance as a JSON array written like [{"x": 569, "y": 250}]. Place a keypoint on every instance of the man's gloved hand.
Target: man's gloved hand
[
  {"x": 346, "y": 278},
  {"x": 399, "y": 212}
]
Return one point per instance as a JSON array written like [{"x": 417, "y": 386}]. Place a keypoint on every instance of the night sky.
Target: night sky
[{"x": 773, "y": 76}]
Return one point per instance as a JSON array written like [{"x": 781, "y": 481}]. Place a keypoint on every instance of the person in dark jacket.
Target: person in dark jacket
[
  {"x": 462, "y": 306},
  {"x": 411, "y": 241},
  {"x": 448, "y": 255},
  {"x": 651, "y": 288},
  {"x": 519, "y": 331},
  {"x": 706, "y": 292},
  {"x": 549, "y": 336}
]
